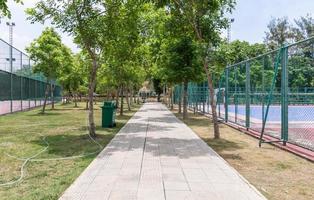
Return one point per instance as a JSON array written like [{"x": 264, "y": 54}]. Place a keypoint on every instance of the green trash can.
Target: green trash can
[{"x": 108, "y": 114}]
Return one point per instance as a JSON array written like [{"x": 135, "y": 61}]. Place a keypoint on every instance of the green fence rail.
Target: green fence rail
[
  {"x": 20, "y": 88},
  {"x": 272, "y": 94}
]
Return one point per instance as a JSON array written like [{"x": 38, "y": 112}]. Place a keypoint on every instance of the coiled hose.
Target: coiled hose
[{"x": 33, "y": 158}]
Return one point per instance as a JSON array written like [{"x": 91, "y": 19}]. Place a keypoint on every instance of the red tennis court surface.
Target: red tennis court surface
[
  {"x": 299, "y": 134},
  {"x": 18, "y": 105},
  {"x": 273, "y": 134}
]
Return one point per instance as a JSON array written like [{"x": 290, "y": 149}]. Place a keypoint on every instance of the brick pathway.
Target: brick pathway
[{"x": 157, "y": 157}]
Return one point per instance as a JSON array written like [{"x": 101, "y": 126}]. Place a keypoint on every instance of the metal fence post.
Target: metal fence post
[
  {"x": 263, "y": 89},
  {"x": 218, "y": 98},
  {"x": 226, "y": 94},
  {"x": 11, "y": 78},
  {"x": 21, "y": 80},
  {"x": 208, "y": 99},
  {"x": 204, "y": 97},
  {"x": 247, "y": 95},
  {"x": 35, "y": 94},
  {"x": 29, "y": 86},
  {"x": 284, "y": 96},
  {"x": 236, "y": 94}
]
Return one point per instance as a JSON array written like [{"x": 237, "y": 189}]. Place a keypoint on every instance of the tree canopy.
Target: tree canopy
[
  {"x": 167, "y": 42},
  {"x": 51, "y": 57}
]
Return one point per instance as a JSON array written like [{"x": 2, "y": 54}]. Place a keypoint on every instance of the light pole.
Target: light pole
[
  {"x": 11, "y": 25},
  {"x": 231, "y": 20},
  {"x": 229, "y": 29}
]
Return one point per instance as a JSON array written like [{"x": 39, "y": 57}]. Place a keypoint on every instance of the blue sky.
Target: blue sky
[
  {"x": 252, "y": 16},
  {"x": 251, "y": 19}
]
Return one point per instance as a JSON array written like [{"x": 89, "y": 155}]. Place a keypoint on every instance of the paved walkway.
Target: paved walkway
[{"x": 157, "y": 157}]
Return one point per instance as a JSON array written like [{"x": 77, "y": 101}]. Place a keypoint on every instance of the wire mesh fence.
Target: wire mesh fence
[
  {"x": 20, "y": 88},
  {"x": 272, "y": 94}
]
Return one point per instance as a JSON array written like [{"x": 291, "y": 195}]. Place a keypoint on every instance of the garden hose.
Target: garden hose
[{"x": 32, "y": 159}]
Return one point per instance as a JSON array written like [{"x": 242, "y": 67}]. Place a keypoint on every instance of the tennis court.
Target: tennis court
[
  {"x": 21, "y": 88},
  {"x": 295, "y": 113},
  {"x": 281, "y": 79},
  {"x": 19, "y": 105},
  {"x": 300, "y": 126}
]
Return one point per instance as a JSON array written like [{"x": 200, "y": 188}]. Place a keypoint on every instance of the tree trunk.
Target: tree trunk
[
  {"x": 212, "y": 100},
  {"x": 185, "y": 98},
  {"x": 171, "y": 99},
  {"x": 164, "y": 95},
  {"x": 128, "y": 100},
  {"x": 46, "y": 96},
  {"x": 91, "y": 89},
  {"x": 179, "y": 103},
  {"x": 107, "y": 96},
  {"x": 75, "y": 100},
  {"x": 167, "y": 97},
  {"x": 134, "y": 97},
  {"x": 121, "y": 103},
  {"x": 131, "y": 98},
  {"x": 117, "y": 98},
  {"x": 52, "y": 89},
  {"x": 86, "y": 107}
]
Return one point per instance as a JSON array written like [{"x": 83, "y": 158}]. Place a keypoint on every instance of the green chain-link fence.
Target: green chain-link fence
[
  {"x": 272, "y": 94},
  {"x": 20, "y": 88}
]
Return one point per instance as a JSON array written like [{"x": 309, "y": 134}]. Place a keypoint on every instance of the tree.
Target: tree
[
  {"x": 282, "y": 32},
  {"x": 153, "y": 34},
  {"x": 279, "y": 32},
  {"x": 301, "y": 66},
  {"x": 182, "y": 65},
  {"x": 73, "y": 75},
  {"x": 89, "y": 22},
  {"x": 124, "y": 61},
  {"x": 304, "y": 27},
  {"x": 235, "y": 51},
  {"x": 157, "y": 87},
  {"x": 47, "y": 53},
  {"x": 4, "y": 10},
  {"x": 205, "y": 19}
]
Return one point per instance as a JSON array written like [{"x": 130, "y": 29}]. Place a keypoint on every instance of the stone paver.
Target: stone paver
[{"x": 157, "y": 157}]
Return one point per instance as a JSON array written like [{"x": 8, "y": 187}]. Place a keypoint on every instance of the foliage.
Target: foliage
[
  {"x": 304, "y": 27},
  {"x": 300, "y": 67},
  {"x": 73, "y": 77},
  {"x": 279, "y": 33},
  {"x": 89, "y": 22},
  {"x": 4, "y": 10},
  {"x": 301, "y": 71},
  {"x": 47, "y": 52},
  {"x": 124, "y": 54},
  {"x": 158, "y": 87},
  {"x": 181, "y": 61}
]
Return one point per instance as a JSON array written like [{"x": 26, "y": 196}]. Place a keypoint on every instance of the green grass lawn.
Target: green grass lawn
[{"x": 21, "y": 134}]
